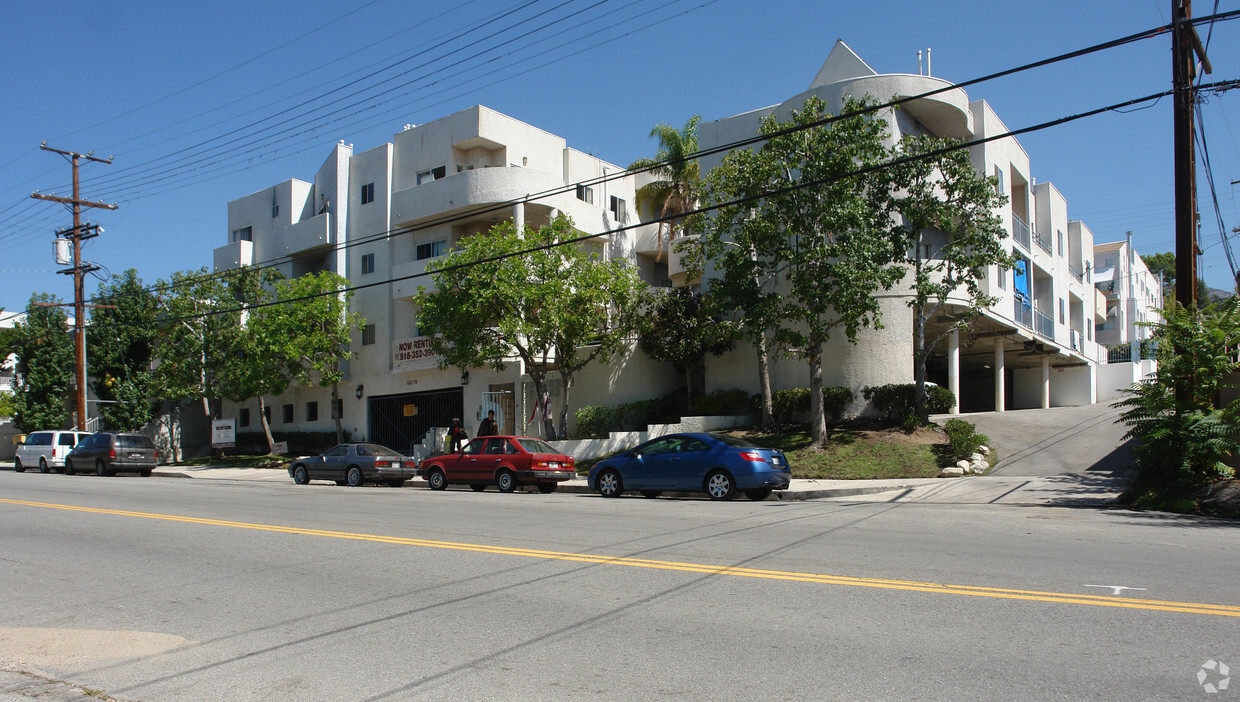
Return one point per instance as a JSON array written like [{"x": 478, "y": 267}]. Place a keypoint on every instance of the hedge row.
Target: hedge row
[{"x": 897, "y": 402}]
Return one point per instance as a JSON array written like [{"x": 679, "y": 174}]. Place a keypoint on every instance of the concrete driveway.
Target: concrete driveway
[{"x": 1066, "y": 456}]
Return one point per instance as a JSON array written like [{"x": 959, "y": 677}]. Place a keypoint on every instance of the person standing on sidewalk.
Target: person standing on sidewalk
[
  {"x": 456, "y": 436},
  {"x": 488, "y": 427}
]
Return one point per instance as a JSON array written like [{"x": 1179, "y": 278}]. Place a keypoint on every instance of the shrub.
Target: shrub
[
  {"x": 963, "y": 440},
  {"x": 835, "y": 399},
  {"x": 897, "y": 401},
  {"x": 789, "y": 406},
  {"x": 593, "y": 421},
  {"x": 596, "y": 422},
  {"x": 722, "y": 402}
]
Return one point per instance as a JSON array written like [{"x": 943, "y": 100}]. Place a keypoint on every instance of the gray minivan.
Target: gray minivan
[
  {"x": 107, "y": 453},
  {"x": 47, "y": 450}
]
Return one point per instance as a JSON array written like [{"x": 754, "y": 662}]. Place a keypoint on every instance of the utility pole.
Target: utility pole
[
  {"x": 76, "y": 235},
  {"x": 1185, "y": 48}
]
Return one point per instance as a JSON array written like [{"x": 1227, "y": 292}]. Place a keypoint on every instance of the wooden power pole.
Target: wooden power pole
[
  {"x": 1185, "y": 50},
  {"x": 79, "y": 271}
]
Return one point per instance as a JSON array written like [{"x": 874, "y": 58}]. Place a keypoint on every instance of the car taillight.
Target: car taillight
[
  {"x": 753, "y": 456},
  {"x": 382, "y": 464},
  {"x": 112, "y": 453}
]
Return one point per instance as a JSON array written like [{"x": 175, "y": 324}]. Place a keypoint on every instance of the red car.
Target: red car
[{"x": 506, "y": 462}]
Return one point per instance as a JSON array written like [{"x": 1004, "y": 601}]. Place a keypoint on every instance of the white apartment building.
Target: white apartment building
[
  {"x": 1035, "y": 347},
  {"x": 1134, "y": 295},
  {"x": 380, "y": 216}
]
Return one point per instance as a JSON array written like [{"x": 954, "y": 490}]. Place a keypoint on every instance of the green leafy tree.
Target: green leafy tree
[
  {"x": 44, "y": 348},
  {"x": 250, "y": 371},
  {"x": 120, "y": 342},
  {"x": 679, "y": 327},
  {"x": 7, "y": 404},
  {"x": 946, "y": 234},
  {"x": 674, "y": 190},
  {"x": 507, "y": 294},
  {"x": 1184, "y": 434},
  {"x": 817, "y": 230},
  {"x": 1164, "y": 263},
  {"x": 309, "y": 333}
]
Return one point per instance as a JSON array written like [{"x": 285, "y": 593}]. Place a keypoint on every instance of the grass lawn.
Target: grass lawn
[
  {"x": 853, "y": 453},
  {"x": 856, "y": 454},
  {"x": 237, "y": 461}
]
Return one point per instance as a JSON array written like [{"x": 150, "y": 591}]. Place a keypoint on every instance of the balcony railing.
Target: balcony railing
[
  {"x": 1044, "y": 325},
  {"x": 1043, "y": 243},
  {"x": 1020, "y": 232},
  {"x": 1076, "y": 273},
  {"x": 1022, "y": 313}
]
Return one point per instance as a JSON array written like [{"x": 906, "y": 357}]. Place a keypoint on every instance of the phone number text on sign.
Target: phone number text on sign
[{"x": 414, "y": 354}]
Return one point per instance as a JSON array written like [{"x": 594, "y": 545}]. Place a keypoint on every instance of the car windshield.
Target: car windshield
[
  {"x": 131, "y": 441},
  {"x": 734, "y": 442},
  {"x": 537, "y": 446}
]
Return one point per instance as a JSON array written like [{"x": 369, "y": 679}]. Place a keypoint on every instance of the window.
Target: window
[
  {"x": 368, "y": 335},
  {"x": 585, "y": 194},
  {"x": 432, "y": 175},
  {"x": 617, "y": 208},
  {"x": 245, "y": 416},
  {"x": 1060, "y": 242},
  {"x": 1001, "y": 277},
  {"x": 999, "y": 181},
  {"x": 1061, "y": 315},
  {"x": 275, "y": 210},
  {"x": 338, "y": 410},
  {"x": 288, "y": 414},
  {"x": 1108, "y": 263},
  {"x": 431, "y": 249},
  {"x": 368, "y": 263},
  {"x": 312, "y": 411},
  {"x": 368, "y": 193},
  {"x": 243, "y": 234}
]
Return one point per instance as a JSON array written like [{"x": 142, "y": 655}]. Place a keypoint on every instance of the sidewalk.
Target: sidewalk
[{"x": 799, "y": 490}]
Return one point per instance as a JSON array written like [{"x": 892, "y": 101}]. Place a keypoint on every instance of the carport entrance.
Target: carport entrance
[{"x": 398, "y": 421}]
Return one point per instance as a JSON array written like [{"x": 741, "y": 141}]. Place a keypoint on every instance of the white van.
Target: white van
[{"x": 47, "y": 450}]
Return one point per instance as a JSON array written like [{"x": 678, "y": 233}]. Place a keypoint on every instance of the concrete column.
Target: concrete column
[
  {"x": 1046, "y": 382},
  {"x": 518, "y": 218},
  {"x": 953, "y": 369},
  {"x": 1000, "y": 399}
]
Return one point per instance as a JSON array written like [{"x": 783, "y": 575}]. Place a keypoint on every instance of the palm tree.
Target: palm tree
[{"x": 674, "y": 189}]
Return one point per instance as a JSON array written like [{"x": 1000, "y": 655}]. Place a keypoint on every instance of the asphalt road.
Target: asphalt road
[{"x": 163, "y": 589}]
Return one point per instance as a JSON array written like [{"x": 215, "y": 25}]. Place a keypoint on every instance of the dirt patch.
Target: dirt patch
[
  {"x": 1221, "y": 498},
  {"x": 38, "y": 647}
]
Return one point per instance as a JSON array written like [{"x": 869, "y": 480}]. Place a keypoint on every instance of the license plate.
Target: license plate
[
  {"x": 135, "y": 455},
  {"x": 554, "y": 466},
  {"x": 777, "y": 460}
]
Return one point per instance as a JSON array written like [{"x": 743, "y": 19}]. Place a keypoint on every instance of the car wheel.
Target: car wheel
[
  {"x": 17, "y": 465},
  {"x": 145, "y": 472},
  {"x": 758, "y": 494},
  {"x": 478, "y": 487},
  {"x": 437, "y": 480},
  {"x": 396, "y": 483},
  {"x": 546, "y": 488},
  {"x": 506, "y": 481},
  {"x": 100, "y": 468},
  {"x": 68, "y": 467},
  {"x": 301, "y": 476},
  {"x": 354, "y": 477},
  {"x": 651, "y": 493},
  {"x": 610, "y": 484},
  {"x": 720, "y": 485},
  {"x": 43, "y": 466}
]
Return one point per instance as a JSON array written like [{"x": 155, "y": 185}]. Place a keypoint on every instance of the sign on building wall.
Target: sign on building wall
[{"x": 414, "y": 354}]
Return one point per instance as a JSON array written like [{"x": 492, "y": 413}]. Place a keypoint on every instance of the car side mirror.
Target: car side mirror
[{"x": 631, "y": 453}]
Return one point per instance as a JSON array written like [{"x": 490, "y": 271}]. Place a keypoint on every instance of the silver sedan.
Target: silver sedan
[{"x": 354, "y": 464}]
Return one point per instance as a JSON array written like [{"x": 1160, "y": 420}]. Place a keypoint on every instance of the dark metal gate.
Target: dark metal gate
[{"x": 398, "y": 421}]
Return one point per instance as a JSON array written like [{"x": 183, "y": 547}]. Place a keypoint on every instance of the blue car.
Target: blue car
[{"x": 716, "y": 464}]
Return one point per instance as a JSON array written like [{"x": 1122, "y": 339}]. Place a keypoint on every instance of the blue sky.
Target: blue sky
[{"x": 151, "y": 82}]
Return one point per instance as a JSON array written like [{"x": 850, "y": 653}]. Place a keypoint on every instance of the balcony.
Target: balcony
[
  {"x": 234, "y": 255},
  {"x": 1022, "y": 313},
  {"x": 476, "y": 189},
  {"x": 1076, "y": 273},
  {"x": 306, "y": 235},
  {"x": 675, "y": 260},
  {"x": 1043, "y": 325},
  {"x": 1020, "y": 232},
  {"x": 1043, "y": 244},
  {"x": 406, "y": 277}
]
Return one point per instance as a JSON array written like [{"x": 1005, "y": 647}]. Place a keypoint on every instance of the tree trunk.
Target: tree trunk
[
  {"x": 262, "y": 417},
  {"x": 567, "y": 380},
  {"x": 337, "y": 413},
  {"x": 818, "y": 420},
  {"x": 919, "y": 366},
  {"x": 539, "y": 379},
  {"x": 764, "y": 384}
]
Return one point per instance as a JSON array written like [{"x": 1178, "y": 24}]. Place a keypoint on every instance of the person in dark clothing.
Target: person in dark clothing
[
  {"x": 488, "y": 427},
  {"x": 456, "y": 436}
]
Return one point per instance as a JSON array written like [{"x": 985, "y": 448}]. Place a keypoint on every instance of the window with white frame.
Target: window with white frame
[
  {"x": 585, "y": 194},
  {"x": 432, "y": 175},
  {"x": 431, "y": 249},
  {"x": 243, "y": 234},
  {"x": 617, "y": 208}
]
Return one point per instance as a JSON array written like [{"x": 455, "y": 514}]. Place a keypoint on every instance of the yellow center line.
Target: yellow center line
[{"x": 792, "y": 576}]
